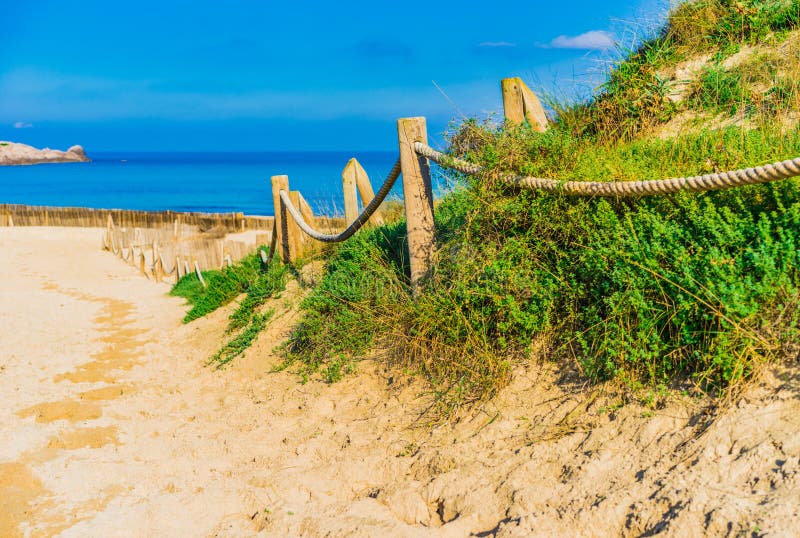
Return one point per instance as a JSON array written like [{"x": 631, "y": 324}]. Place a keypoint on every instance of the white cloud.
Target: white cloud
[
  {"x": 22, "y": 125},
  {"x": 594, "y": 40},
  {"x": 497, "y": 44}
]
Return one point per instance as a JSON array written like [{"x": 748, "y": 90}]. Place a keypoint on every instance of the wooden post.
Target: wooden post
[
  {"x": 110, "y": 231},
  {"x": 418, "y": 198},
  {"x": 288, "y": 231},
  {"x": 280, "y": 183},
  {"x": 361, "y": 179},
  {"x": 306, "y": 211},
  {"x": 520, "y": 104},
  {"x": 158, "y": 270},
  {"x": 296, "y": 233},
  {"x": 175, "y": 230},
  {"x": 142, "y": 263},
  {"x": 350, "y": 194}
]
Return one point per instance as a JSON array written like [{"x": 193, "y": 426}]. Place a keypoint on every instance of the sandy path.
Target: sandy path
[{"x": 111, "y": 426}]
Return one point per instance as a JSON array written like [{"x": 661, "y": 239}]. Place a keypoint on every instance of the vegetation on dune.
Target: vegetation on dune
[
  {"x": 247, "y": 276},
  {"x": 647, "y": 290},
  {"x": 654, "y": 292},
  {"x": 650, "y": 291},
  {"x": 638, "y": 93}
]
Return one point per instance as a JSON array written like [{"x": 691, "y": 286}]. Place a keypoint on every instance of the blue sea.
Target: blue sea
[{"x": 207, "y": 182}]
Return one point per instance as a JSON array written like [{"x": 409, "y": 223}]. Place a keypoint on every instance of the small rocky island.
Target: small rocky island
[{"x": 12, "y": 153}]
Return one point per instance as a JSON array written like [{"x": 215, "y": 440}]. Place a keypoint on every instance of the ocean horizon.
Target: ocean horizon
[{"x": 213, "y": 182}]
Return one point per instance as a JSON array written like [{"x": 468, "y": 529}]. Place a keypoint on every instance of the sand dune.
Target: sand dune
[{"x": 113, "y": 427}]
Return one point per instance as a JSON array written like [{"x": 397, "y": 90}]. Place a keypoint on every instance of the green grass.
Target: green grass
[
  {"x": 243, "y": 340},
  {"x": 365, "y": 279},
  {"x": 245, "y": 322},
  {"x": 720, "y": 89},
  {"x": 223, "y": 286}
]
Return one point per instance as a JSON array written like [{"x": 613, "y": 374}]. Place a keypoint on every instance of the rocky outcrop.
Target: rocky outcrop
[{"x": 12, "y": 153}]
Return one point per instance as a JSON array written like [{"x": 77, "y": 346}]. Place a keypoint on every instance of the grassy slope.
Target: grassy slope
[{"x": 686, "y": 289}]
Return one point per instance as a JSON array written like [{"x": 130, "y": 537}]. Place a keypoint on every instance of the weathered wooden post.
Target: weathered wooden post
[
  {"x": 298, "y": 235},
  {"x": 418, "y": 198},
  {"x": 158, "y": 269},
  {"x": 285, "y": 225},
  {"x": 354, "y": 177},
  {"x": 520, "y": 104},
  {"x": 279, "y": 183},
  {"x": 110, "y": 231},
  {"x": 350, "y": 194},
  {"x": 306, "y": 211}
]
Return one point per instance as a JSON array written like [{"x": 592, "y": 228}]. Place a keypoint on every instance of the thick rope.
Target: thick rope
[
  {"x": 356, "y": 224},
  {"x": 708, "y": 182}
]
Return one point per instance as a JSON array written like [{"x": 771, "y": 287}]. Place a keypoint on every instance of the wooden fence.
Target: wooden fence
[
  {"x": 26, "y": 215},
  {"x": 293, "y": 217},
  {"x": 153, "y": 239},
  {"x": 176, "y": 249}
]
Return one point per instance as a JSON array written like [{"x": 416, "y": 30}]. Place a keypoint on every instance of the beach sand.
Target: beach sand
[{"x": 112, "y": 426}]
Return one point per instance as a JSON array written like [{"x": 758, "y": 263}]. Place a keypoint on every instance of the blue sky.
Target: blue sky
[{"x": 247, "y": 75}]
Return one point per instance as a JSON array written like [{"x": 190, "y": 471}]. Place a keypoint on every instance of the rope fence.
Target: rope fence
[
  {"x": 721, "y": 180},
  {"x": 295, "y": 223},
  {"x": 520, "y": 105},
  {"x": 356, "y": 224}
]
